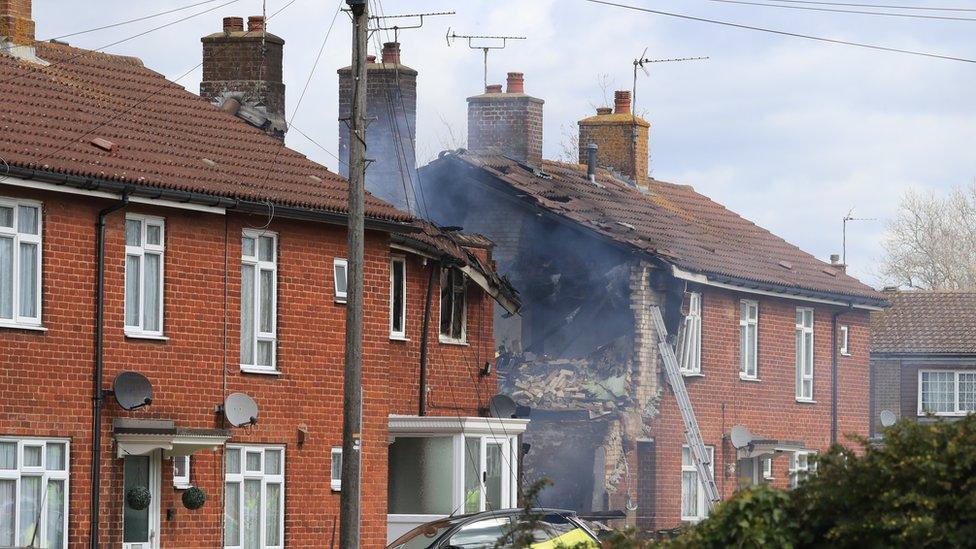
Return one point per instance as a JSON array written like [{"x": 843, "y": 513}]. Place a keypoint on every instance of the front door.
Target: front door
[{"x": 140, "y": 527}]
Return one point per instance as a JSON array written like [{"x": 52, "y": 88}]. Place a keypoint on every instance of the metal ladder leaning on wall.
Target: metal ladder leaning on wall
[{"x": 698, "y": 451}]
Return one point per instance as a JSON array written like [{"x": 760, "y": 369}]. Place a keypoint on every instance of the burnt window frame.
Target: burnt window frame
[{"x": 458, "y": 282}]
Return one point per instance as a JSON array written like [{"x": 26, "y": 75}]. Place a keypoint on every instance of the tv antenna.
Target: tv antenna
[
  {"x": 483, "y": 43},
  {"x": 850, "y": 217},
  {"x": 642, "y": 62},
  {"x": 381, "y": 24}
]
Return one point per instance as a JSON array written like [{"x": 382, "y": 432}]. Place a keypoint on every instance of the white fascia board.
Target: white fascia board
[
  {"x": 705, "y": 281},
  {"x": 65, "y": 189}
]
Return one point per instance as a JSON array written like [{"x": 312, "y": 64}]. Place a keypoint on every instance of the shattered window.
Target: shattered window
[
  {"x": 452, "y": 305},
  {"x": 689, "y": 337}
]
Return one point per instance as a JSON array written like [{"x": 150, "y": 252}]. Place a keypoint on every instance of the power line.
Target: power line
[
  {"x": 881, "y": 6},
  {"x": 136, "y": 20},
  {"x": 854, "y": 12},
  {"x": 782, "y": 33}
]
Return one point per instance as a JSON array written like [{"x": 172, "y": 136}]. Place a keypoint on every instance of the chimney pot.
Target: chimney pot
[
  {"x": 493, "y": 88},
  {"x": 370, "y": 59},
  {"x": 515, "y": 82},
  {"x": 621, "y": 102},
  {"x": 603, "y": 110},
  {"x": 834, "y": 259},
  {"x": 233, "y": 24},
  {"x": 591, "y": 161},
  {"x": 391, "y": 53},
  {"x": 255, "y": 23}
]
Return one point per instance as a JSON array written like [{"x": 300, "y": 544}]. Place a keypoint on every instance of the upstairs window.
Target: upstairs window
[
  {"x": 689, "y": 337},
  {"x": 748, "y": 339},
  {"x": 259, "y": 301},
  {"x": 946, "y": 392},
  {"x": 340, "y": 268},
  {"x": 844, "y": 337},
  {"x": 144, "y": 247},
  {"x": 453, "y": 306},
  {"x": 398, "y": 298},
  {"x": 20, "y": 263},
  {"x": 804, "y": 354}
]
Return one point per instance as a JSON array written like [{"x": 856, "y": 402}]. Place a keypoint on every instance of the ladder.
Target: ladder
[{"x": 700, "y": 456}]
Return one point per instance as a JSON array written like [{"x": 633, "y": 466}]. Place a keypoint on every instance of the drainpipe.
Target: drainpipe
[
  {"x": 422, "y": 397},
  {"x": 833, "y": 372},
  {"x": 98, "y": 395}
]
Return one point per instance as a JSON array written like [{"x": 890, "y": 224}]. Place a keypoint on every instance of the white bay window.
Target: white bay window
[
  {"x": 20, "y": 263},
  {"x": 144, "y": 248},
  {"x": 254, "y": 497},
  {"x": 259, "y": 301},
  {"x": 33, "y": 493}
]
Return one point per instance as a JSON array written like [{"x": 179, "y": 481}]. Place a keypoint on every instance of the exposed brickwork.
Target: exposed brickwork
[
  {"x": 46, "y": 377},
  {"x": 391, "y": 104},
  {"x": 16, "y": 23},
  {"x": 621, "y": 138},
  {"x": 506, "y": 123}
]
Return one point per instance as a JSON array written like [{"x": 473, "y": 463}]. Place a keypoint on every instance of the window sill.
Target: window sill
[
  {"x": 182, "y": 486},
  {"x": 28, "y": 327},
  {"x": 749, "y": 378},
  {"x": 447, "y": 341},
  {"x": 335, "y": 488},
  {"x": 259, "y": 371},
  {"x": 340, "y": 300},
  {"x": 692, "y": 374},
  {"x": 139, "y": 335},
  {"x": 806, "y": 401},
  {"x": 399, "y": 338},
  {"x": 842, "y": 353}
]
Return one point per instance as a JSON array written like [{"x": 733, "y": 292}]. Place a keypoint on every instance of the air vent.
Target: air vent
[
  {"x": 786, "y": 265},
  {"x": 103, "y": 144}
]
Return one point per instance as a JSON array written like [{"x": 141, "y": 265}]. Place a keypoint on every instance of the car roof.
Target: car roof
[{"x": 509, "y": 512}]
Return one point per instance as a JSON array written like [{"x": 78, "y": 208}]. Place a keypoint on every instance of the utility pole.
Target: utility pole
[{"x": 352, "y": 444}]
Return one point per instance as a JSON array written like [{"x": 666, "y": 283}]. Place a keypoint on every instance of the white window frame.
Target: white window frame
[
  {"x": 402, "y": 333},
  {"x": 182, "y": 482},
  {"x": 956, "y": 410},
  {"x": 340, "y": 263},
  {"x": 767, "y": 468},
  {"x": 335, "y": 480},
  {"x": 244, "y": 474},
  {"x": 751, "y": 309},
  {"x": 259, "y": 336},
  {"x": 464, "y": 309},
  {"x": 689, "y": 337},
  {"x": 140, "y": 251},
  {"x": 797, "y": 471},
  {"x": 22, "y": 471},
  {"x": 845, "y": 338},
  {"x": 17, "y": 319},
  {"x": 702, "y": 504},
  {"x": 802, "y": 373}
]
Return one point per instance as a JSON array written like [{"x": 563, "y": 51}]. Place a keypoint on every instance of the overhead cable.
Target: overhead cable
[{"x": 853, "y": 12}]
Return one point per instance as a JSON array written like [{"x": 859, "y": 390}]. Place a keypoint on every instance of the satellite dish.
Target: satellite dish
[
  {"x": 240, "y": 410},
  {"x": 502, "y": 406},
  {"x": 888, "y": 418},
  {"x": 740, "y": 436},
  {"x": 132, "y": 390}
]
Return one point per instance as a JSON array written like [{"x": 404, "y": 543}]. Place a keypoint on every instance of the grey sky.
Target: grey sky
[{"x": 790, "y": 134}]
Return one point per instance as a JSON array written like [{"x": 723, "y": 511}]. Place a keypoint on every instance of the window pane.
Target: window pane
[
  {"x": 8, "y": 455},
  {"x": 272, "y": 462},
  {"x": 133, "y": 232},
  {"x": 252, "y": 513},
  {"x": 247, "y": 246},
  {"x": 28, "y": 280},
  {"x": 132, "y": 274},
  {"x": 808, "y": 358},
  {"x": 446, "y": 305},
  {"x": 967, "y": 392},
  {"x": 493, "y": 477},
  {"x": 8, "y": 501},
  {"x": 27, "y": 219},
  {"x": 153, "y": 289},
  {"x": 272, "y": 516},
  {"x": 154, "y": 235},
  {"x": 181, "y": 465},
  {"x": 247, "y": 314},
  {"x": 55, "y": 456},
  {"x": 30, "y": 507},
  {"x": 689, "y": 494},
  {"x": 457, "y": 320},
  {"x": 420, "y": 475},
  {"x": 336, "y": 465},
  {"x": 340, "y": 279},
  {"x": 472, "y": 474},
  {"x": 265, "y": 353},
  {"x": 253, "y": 462},
  {"x": 135, "y": 524},
  {"x": 55, "y": 514},
  {"x": 686, "y": 457},
  {"x": 938, "y": 392},
  {"x": 397, "y": 300},
  {"x": 6, "y": 278},
  {"x": 752, "y": 351},
  {"x": 6, "y": 216},
  {"x": 233, "y": 461},
  {"x": 266, "y": 248},
  {"x": 232, "y": 513},
  {"x": 32, "y": 456},
  {"x": 267, "y": 301},
  {"x": 743, "y": 350}
]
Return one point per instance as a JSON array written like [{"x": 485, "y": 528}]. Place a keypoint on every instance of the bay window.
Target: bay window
[
  {"x": 946, "y": 392},
  {"x": 748, "y": 339},
  {"x": 254, "y": 497},
  {"x": 144, "y": 247},
  {"x": 20, "y": 263},
  {"x": 33, "y": 493},
  {"x": 804, "y": 354},
  {"x": 259, "y": 301}
]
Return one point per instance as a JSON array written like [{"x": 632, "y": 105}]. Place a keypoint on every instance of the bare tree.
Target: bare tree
[
  {"x": 569, "y": 144},
  {"x": 931, "y": 243}
]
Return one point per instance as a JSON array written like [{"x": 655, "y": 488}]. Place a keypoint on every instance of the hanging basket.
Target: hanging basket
[
  {"x": 138, "y": 498},
  {"x": 194, "y": 498}
]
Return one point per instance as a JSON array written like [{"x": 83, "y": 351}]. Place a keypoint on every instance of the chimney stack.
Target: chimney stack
[
  {"x": 506, "y": 123},
  {"x": 621, "y": 137},
  {"x": 16, "y": 25},
  {"x": 835, "y": 262},
  {"x": 247, "y": 65},
  {"x": 391, "y": 99}
]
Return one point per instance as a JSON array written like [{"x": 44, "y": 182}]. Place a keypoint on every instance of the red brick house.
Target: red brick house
[
  {"x": 222, "y": 259},
  {"x": 768, "y": 337}
]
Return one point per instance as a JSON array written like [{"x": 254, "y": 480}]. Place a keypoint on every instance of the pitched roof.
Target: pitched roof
[
  {"x": 920, "y": 322},
  {"x": 160, "y": 135},
  {"x": 672, "y": 222}
]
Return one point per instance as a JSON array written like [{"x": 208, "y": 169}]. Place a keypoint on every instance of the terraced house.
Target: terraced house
[{"x": 145, "y": 230}]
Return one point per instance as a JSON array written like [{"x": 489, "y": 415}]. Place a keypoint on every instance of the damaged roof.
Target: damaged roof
[
  {"x": 926, "y": 322},
  {"x": 674, "y": 223},
  {"x": 107, "y": 117}
]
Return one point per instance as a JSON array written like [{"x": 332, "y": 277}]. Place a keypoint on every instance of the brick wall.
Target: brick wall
[
  {"x": 46, "y": 377},
  {"x": 621, "y": 138},
  {"x": 506, "y": 123},
  {"x": 768, "y": 408},
  {"x": 16, "y": 22},
  {"x": 885, "y": 390}
]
